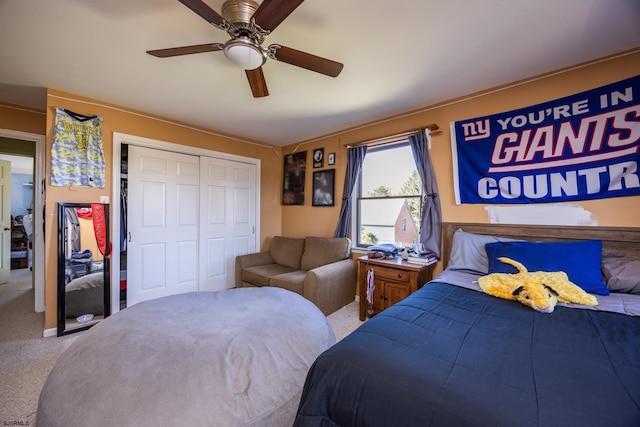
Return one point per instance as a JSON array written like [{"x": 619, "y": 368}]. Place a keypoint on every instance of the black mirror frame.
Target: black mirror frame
[{"x": 61, "y": 269}]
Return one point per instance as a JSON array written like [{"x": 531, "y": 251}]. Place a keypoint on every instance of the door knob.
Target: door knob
[{"x": 7, "y": 229}]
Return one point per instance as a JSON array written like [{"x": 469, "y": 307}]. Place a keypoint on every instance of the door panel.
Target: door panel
[
  {"x": 216, "y": 205},
  {"x": 187, "y": 196},
  {"x": 187, "y": 254},
  {"x": 395, "y": 292},
  {"x": 162, "y": 252},
  {"x": 241, "y": 205},
  {"x": 215, "y": 263},
  {"x": 153, "y": 203},
  {"x": 227, "y": 191},
  {"x": 151, "y": 279}
]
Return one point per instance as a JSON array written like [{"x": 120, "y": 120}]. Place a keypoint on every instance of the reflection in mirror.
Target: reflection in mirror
[{"x": 83, "y": 268}]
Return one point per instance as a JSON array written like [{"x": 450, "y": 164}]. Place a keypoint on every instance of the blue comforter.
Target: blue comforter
[{"x": 449, "y": 356}]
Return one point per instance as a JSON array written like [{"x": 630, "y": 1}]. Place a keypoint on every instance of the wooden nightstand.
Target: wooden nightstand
[{"x": 395, "y": 280}]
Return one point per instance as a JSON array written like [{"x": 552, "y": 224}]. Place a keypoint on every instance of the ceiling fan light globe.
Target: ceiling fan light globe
[{"x": 244, "y": 54}]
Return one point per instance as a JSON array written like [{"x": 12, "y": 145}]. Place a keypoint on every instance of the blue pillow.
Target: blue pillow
[{"x": 580, "y": 260}]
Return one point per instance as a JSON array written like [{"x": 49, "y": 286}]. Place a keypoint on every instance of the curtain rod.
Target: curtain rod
[{"x": 395, "y": 138}]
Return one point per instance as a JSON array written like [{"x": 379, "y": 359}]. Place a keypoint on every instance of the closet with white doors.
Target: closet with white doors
[{"x": 187, "y": 217}]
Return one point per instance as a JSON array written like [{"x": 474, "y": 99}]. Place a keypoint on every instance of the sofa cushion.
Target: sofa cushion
[
  {"x": 260, "y": 274},
  {"x": 293, "y": 281},
  {"x": 320, "y": 251},
  {"x": 287, "y": 251}
]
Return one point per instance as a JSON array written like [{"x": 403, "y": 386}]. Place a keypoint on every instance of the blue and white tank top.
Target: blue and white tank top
[{"x": 77, "y": 155}]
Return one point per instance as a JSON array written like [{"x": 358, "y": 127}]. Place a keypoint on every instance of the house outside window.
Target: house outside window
[{"x": 389, "y": 197}]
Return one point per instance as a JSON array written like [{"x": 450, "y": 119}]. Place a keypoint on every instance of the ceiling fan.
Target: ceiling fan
[{"x": 247, "y": 24}]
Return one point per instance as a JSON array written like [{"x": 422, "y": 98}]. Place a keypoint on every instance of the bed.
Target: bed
[{"x": 451, "y": 355}]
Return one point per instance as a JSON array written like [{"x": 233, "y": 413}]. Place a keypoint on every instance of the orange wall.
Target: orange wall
[
  {"x": 321, "y": 221},
  {"x": 119, "y": 119},
  {"x": 22, "y": 119}
]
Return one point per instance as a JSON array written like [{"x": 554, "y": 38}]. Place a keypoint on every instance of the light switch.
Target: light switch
[{"x": 104, "y": 200}]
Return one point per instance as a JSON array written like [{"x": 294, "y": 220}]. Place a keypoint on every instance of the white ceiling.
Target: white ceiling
[{"x": 398, "y": 55}]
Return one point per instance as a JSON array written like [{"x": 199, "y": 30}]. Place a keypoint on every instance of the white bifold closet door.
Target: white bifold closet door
[
  {"x": 162, "y": 229},
  {"x": 228, "y": 218},
  {"x": 188, "y": 217}
]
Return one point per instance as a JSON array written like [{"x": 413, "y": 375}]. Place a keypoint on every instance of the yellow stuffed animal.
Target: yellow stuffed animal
[{"x": 539, "y": 290}]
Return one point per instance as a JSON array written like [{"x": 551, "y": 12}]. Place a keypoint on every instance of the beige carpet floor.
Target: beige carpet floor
[{"x": 26, "y": 358}]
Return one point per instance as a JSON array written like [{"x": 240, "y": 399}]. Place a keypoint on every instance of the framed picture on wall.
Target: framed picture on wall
[
  {"x": 331, "y": 159},
  {"x": 295, "y": 167},
  {"x": 323, "y": 188},
  {"x": 318, "y": 157}
]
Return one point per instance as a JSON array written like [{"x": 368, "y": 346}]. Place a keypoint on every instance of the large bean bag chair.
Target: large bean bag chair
[{"x": 237, "y": 357}]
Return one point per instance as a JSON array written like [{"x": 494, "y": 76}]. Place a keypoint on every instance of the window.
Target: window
[{"x": 389, "y": 197}]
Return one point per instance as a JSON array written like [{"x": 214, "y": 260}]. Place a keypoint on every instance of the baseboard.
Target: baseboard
[{"x": 50, "y": 332}]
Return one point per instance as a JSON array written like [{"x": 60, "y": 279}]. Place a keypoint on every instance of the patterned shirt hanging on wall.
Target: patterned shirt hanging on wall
[{"x": 77, "y": 156}]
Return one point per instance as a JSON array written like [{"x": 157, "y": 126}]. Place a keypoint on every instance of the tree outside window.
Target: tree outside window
[{"x": 389, "y": 197}]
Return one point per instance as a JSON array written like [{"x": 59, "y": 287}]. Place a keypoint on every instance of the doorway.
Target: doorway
[{"x": 17, "y": 143}]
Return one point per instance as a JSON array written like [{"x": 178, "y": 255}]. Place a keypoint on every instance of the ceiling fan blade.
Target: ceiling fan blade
[
  {"x": 308, "y": 61},
  {"x": 185, "y": 50},
  {"x": 272, "y": 12},
  {"x": 257, "y": 82},
  {"x": 202, "y": 9}
]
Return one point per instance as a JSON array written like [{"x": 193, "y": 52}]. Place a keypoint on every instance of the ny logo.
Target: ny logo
[{"x": 476, "y": 130}]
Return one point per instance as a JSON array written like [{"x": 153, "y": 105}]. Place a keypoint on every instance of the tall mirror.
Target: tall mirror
[{"x": 83, "y": 266}]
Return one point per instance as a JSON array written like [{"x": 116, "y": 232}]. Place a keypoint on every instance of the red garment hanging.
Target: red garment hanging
[{"x": 100, "y": 229}]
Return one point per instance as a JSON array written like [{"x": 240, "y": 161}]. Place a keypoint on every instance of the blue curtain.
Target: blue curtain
[
  {"x": 431, "y": 215},
  {"x": 355, "y": 158}
]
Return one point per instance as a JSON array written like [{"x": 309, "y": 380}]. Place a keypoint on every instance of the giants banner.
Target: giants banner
[{"x": 582, "y": 147}]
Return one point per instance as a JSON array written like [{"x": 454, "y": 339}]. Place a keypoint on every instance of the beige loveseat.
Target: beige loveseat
[{"x": 318, "y": 268}]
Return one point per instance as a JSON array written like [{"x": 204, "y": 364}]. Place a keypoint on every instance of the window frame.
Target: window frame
[{"x": 358, "y": 196}]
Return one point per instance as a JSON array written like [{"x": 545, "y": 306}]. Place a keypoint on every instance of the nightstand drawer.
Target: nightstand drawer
[{"x": 394, "y": 274}]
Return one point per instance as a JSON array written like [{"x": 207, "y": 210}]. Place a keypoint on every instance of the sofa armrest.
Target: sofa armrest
[
  {"x": 331, "y": 286},
  {"x": 250, "y": 260}
]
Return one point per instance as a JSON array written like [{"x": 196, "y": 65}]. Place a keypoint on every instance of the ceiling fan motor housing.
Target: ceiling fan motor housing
[{"x": 234, "y": 11}]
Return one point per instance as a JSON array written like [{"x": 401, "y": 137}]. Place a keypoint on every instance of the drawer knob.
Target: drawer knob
[{"x": 399, "y": 275}]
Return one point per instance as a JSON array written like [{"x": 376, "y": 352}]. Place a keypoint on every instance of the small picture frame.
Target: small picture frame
[
  {"x": 331, "y": 159},
  {"x": 323, "y": 188},
  {"x": 318, "y": 157}
]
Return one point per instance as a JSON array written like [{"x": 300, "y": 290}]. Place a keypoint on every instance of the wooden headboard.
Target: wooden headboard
[{"x": 620, "y": 239}]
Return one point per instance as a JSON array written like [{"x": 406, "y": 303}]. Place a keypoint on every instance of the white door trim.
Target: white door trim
[
  {"x": 38, "y": 204},
  {"x": 121, "y": 138}
]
